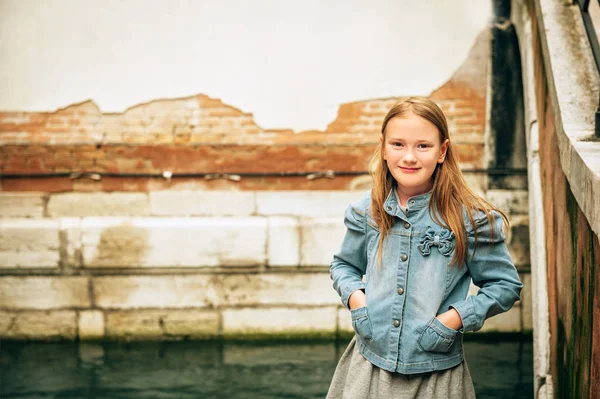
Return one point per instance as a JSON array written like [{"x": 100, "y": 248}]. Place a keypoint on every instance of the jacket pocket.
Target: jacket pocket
[
  {"x": 361, "y": 322},
  {"x": 437, "y": 337}
]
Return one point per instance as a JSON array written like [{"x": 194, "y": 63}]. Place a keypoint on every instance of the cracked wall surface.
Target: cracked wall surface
[{"x": 203, "y": 135}]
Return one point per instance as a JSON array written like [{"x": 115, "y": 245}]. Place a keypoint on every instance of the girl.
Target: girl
[{"x": 419, "y": 237}]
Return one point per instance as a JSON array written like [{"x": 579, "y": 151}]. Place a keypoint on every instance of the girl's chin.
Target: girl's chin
[{"x": 409, "y": 184}]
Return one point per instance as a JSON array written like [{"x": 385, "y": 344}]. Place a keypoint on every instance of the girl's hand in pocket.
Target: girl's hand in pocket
[
  {"x": 358, "y": 299},
  {"x": 451, "y": 319}
]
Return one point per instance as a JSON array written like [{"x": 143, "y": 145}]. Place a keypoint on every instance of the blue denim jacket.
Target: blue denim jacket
[{"x": 398, "y": 330}]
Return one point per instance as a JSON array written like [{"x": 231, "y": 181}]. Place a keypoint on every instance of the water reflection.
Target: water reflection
[{"x": 215, "y": 369}]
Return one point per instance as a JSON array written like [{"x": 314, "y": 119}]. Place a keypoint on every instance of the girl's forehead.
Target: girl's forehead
[{"x": 411, "y": 126}]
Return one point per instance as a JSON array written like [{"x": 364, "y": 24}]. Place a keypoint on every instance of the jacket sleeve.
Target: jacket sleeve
[
  {"x": 492, "y": 270},
  {"x": 349, "y": 264}
]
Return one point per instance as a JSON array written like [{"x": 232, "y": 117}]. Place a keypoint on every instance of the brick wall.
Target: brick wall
[{"x": 200, "y": 135}]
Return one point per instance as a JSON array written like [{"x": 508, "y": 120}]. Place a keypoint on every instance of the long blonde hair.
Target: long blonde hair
[{"x": 450, "y": 190}]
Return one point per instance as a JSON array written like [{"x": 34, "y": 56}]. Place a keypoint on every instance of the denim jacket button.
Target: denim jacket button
[
  {"x": 406, "y": 225},
  {"x": 396, "y": 323},
  {"x": 403, "y": 257},
  {"x": 400, "y": 291},
  {"x": 389, "y": 208}
]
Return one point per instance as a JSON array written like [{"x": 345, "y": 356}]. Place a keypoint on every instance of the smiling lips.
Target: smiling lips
[{"x": 409, "y": 170}]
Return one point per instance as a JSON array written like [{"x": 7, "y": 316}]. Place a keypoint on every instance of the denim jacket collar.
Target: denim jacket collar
[{"x": 417, "y": 202}]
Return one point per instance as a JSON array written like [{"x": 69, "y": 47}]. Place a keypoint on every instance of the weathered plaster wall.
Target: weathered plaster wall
[
  {"x": 200, "y": 135},
  {"x": 290, "y": 63}
]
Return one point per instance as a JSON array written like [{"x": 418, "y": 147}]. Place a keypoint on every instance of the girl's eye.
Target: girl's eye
[
  {"x": 397, "y": 144},
  {"x": 423, "y": 146}
]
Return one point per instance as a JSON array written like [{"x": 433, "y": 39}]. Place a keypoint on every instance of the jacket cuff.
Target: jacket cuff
[
  {"x": 467, "y": 315},
  {"x": 349, "y": 290}
]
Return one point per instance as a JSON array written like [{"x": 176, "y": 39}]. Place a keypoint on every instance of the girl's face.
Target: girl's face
[{"x": 412, "y": 149}]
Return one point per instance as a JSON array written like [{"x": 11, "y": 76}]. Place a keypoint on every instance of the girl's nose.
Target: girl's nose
[{"x": 409, "y": 156}]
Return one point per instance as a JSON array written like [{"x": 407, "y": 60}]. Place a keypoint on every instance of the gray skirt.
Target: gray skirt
[{"x": 356, "y": 378}]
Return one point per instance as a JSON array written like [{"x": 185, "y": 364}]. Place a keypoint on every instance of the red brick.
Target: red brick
[
  {"x": 124, "y": 184},
  {"x": 47, "y": 185},
  {"x": 87, "y": 185},
  {"x": 90, "y": 155},
  {"x": 14, "y": 167},
  {"x": 459, "y": 113}
]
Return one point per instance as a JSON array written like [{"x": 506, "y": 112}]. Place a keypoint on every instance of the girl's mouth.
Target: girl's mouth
[{"x": 409, "y": 170}]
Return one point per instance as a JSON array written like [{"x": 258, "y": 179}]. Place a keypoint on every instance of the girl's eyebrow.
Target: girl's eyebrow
[{"x": 416, "y": 141}]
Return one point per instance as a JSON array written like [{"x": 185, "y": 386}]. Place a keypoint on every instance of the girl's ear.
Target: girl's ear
[
  {"x": 382, "y": 147},
  {"x": 443, "y": 150}
]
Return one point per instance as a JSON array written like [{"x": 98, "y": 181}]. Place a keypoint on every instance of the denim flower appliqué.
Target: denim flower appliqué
[{"x": 442, "y": 239}]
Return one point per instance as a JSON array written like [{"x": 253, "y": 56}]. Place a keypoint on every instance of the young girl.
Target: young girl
[{"x": 419, "y": 237}]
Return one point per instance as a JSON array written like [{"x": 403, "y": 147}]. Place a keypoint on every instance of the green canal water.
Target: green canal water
[{"x": 221, "y": 369}]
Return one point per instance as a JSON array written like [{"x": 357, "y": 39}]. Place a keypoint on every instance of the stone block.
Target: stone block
[
  {"x": 518, "y": 246},
  {"x": 173, "y": 242},
  {"x": 504, "y": 322},
  {"x": 289, "y": 322},
  {"x": 44, "y": 292},
  {"x": 55, "y": 324},
  {"x": 516, "y": 221},
  {"x": 21, "y": 205},
  {"x": 478, "y": 182},
  {"x": 321, "y": 239},
  {"x": 202, "y": 203},
  {"x": 29, "y": 243},
  {"x": 98, "y": 204},
  {"x": 278, "y": 289},
  {"x": 284, "y": 241},
  {"x": 161, "y": 291},
  {"x": 70, "y": 238},
  {"x": 91, "y": 324},
  {"x": 527, "y": 301},
  {"x": 161, "y": 324},
  {"x": 306, "y": 203},
  {"x": 344, "y": 321},
  {"x": 515, "y": 202}
]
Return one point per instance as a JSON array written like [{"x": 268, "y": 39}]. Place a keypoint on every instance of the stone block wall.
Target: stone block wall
[{"x": 186, "y": 264}]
